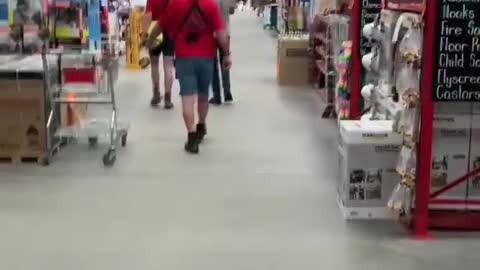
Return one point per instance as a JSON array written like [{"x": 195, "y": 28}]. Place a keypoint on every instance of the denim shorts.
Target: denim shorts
[{"x": 194, "y": 74}]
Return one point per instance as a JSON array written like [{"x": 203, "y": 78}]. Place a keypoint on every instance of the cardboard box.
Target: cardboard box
[
  {"x": 22, "y": 118},
  {"x": 450, "y": 155},
  {"x": 367, "y": 160},
  {"x": 293, "y": 61}
]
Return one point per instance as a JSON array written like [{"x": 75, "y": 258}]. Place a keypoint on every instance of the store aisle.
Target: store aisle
[{"x": 261, "y": 195}]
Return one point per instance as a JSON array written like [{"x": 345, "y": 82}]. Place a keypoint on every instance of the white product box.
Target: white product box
[
  {"x": 450, "y": 151},
  {"x": 367, "y": 159},
  {"x": 474, "y": 183}
]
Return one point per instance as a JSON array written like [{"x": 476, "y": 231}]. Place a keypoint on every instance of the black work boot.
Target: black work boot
[
  {"x": 215, "y": 101},
  {"x": 201, "y": 132},
  {"x": 168, "y": 101},
  {"x": 191, "y": 146},
  {"x": 156, "y": 98},
  {"x": 228, "y": 97}
]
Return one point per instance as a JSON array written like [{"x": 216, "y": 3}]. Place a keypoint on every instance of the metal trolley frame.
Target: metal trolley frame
[{"x": 101, "y": 93}]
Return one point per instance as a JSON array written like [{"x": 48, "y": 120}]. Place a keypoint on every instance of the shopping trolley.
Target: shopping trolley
[{"x": 93, "y": 84}]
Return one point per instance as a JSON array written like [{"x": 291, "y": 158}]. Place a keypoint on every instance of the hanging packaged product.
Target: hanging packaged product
[
  {"x": 343, "y": 60},
  {"x": 401, "y": 200},
  {"x": 342, "y": 91},
  {"x": 408, "y": 84},
  {"x": 410, "y": 45},
  {"x": 408, "y": 125},
  {"x": 406, "y": 164},
  {"x": 370, "y": 61}
]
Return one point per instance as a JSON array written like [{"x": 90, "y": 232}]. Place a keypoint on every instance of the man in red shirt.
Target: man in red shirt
[
  {"x": 153, "y": 11},
  {"x": 196, "y": 28}
]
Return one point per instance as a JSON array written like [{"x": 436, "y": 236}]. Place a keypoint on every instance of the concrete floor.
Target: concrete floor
[{"x": 261, "y": 195}]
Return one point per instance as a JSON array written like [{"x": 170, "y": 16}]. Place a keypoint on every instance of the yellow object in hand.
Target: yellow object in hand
[{"x": 159, "y": 38}]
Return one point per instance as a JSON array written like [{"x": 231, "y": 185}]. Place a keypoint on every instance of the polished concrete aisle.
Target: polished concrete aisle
[{"x": 261, "y": 195}]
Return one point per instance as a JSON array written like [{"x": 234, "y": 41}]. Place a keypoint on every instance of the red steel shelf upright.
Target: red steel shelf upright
[
  {"x": 422, "y": 192},
  {"x": 356, "y": 59}
]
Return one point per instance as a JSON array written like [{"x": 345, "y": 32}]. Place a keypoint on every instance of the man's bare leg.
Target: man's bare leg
[
  {"x": 154, "y": 69},
  {"x": 202, "y": 109},
  {"x": 168, "y": 75}
]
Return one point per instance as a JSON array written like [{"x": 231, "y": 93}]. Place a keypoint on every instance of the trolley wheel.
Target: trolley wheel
[
  {"x": 92, "y": 141},
  {"x": 109, "y": 158},
  {"x": 124, "y": 139}
]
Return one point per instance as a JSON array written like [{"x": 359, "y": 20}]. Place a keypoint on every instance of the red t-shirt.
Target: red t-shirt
[
  {"x": 172, "y": 19},
  {"x": 156, "y": 7}
]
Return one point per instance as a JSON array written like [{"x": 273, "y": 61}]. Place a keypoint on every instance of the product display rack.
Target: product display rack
[
  {"x": 270, "y": 15},
  {"x": 327, "y": 34},
  {"x": 416, "y": 66},
  {"x": 436, "y": 183},
  {"x": 323, "y": 57},
  {"x": 425, "y": 218},
  {"x": 293, "y": 15}
]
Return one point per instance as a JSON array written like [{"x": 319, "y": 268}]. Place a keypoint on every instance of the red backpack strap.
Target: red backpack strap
[{"x": 194, "y": 7}]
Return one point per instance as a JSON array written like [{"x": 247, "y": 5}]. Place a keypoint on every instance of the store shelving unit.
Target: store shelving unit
[
  {"x": 424, "y": 218},
  {"x": 432, "y": 177},
  {"x": 327, "y": 35}
]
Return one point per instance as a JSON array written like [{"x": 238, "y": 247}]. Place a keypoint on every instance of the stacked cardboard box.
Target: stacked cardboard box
[
  {"x": 451, "y": 143},
  {"x": 456, "y": 151},
  {"x": 474, "y": 162},
  {"x": 294, "y": 64},
  {"x": 22, "y": 111}
]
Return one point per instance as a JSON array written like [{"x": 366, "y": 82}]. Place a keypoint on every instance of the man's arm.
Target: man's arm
[
  {"x": 220, "y": 32},
  {"x": 223, "y": 41},
  {"x": 221, "y": 35},
  {"x": 147, "y": 18}
]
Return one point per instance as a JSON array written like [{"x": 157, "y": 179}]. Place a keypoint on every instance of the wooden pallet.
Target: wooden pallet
[{"x": 23, "y": 158}]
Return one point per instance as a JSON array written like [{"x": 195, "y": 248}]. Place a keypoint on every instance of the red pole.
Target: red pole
[
  {"x": 426, "y": 126},
  {"x": 356, "y": 61}
]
